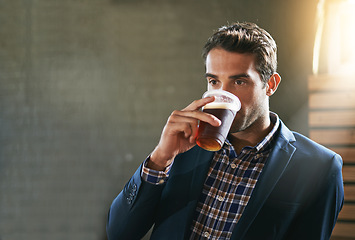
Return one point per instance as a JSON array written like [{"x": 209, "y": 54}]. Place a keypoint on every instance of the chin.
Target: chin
[
  {"x": 236, "y": 128},
  {"x": 240, "y": 126}
]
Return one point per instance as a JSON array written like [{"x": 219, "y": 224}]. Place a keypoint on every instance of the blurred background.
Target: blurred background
[{"x": 87, "y": 85}]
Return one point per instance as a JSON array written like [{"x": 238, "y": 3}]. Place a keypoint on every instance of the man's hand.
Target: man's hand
[{"x": 179, "y": 133}]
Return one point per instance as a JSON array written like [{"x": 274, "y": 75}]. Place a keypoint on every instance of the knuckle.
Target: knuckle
[
  {"x": 175, "y": 112},
  {"x": 173, "y": 116}
]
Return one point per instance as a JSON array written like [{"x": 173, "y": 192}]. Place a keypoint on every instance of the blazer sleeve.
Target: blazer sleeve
[
  {"x": 132, "y": 212},
  {"x": 318, "y": 219}
]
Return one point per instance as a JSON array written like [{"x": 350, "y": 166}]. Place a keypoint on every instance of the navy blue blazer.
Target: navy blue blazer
[{"x": 299, "y": 195}]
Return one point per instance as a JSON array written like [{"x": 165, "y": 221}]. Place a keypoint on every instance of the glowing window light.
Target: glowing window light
[{"x": 336, "y": 27}]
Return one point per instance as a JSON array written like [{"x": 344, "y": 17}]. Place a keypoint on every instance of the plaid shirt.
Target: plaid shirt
[{"x": 227, "y": 188}]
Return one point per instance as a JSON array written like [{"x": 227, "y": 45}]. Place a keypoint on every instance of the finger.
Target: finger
[
  {"x": 186, "y": 129},
  {"x": 193, "y": 136},
  {"x": 178, "y": 123},
  {"x": 194, "y": 116},
  {"x": 197, "y": 104}
]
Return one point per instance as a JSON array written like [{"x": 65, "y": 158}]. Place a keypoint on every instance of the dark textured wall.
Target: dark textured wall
[{"x": 87, "y": 85}]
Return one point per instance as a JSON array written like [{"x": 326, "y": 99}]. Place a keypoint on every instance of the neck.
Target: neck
[{"x": 252, "y": 135}]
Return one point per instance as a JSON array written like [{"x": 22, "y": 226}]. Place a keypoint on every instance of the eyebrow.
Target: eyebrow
[
  {"x": 210, "y": 75},
  {"x": 242, "y": 75}
]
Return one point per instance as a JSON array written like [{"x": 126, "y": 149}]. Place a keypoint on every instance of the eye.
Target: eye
[
  {"x": 212, "y": 82},
  {"x": 239, "y": 82}
]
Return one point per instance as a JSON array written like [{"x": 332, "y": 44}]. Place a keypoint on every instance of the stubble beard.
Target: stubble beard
[
  {"x": 243, "y": 121},
  {"x": 239, "y": 124}
]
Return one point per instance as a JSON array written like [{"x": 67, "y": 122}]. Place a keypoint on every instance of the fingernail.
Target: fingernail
[{"x": 217, "y": 121}]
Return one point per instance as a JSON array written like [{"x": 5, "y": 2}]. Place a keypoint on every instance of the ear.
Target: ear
[{"x": 272, "y": 84}]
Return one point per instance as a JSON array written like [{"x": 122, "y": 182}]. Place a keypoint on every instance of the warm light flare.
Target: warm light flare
[
  {"x": 319, "y": 33},
  {"x": 335, "y": 29}
]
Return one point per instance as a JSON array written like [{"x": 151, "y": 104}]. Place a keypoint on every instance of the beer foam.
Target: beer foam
[{"x": 222, "y": 105}]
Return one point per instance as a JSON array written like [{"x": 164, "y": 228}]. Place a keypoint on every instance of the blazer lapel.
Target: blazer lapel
[
  {"x": 182, "y": 192},
  {"x": 273, "y": 169},
  {"x": 202, "y": 164}
]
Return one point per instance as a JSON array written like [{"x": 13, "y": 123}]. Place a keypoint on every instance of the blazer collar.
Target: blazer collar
[{"x": 273, "y": 169}]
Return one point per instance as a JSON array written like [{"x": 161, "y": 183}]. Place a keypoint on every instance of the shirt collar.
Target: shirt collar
[{"x": 274, "y": 120}]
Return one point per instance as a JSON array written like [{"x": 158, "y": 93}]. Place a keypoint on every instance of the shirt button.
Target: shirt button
[
  {"x": 206, "y": 234},
  {"x": 220, "y": 198},
  {"x": 233, "y": 165}
]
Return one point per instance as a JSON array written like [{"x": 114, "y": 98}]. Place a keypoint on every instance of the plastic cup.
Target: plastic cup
[{"x": 224, "y": 107}]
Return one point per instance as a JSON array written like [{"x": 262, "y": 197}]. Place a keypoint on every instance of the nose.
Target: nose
[{"x": 225, "y": 87}]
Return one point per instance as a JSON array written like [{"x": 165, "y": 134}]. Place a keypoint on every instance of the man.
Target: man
[{"x": 265, "y": 183}]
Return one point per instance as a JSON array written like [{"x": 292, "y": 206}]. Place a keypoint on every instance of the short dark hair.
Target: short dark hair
[{"x": 246, "y": 38}]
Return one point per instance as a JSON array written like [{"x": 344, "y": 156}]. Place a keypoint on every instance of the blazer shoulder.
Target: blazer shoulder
[
  {"x": 310, "y": 149},
  {"x": 307, "y": 143},
  {"x": 307, "y": 150}
]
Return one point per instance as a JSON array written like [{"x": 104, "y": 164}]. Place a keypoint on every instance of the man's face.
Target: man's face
[{"x": 236, "y": 73}]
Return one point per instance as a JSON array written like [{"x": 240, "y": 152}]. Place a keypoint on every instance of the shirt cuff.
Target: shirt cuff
[{"x": 153, "y": 176}]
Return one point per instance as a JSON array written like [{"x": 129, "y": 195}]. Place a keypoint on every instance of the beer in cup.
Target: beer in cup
[{"x": 224, "y": 107}]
